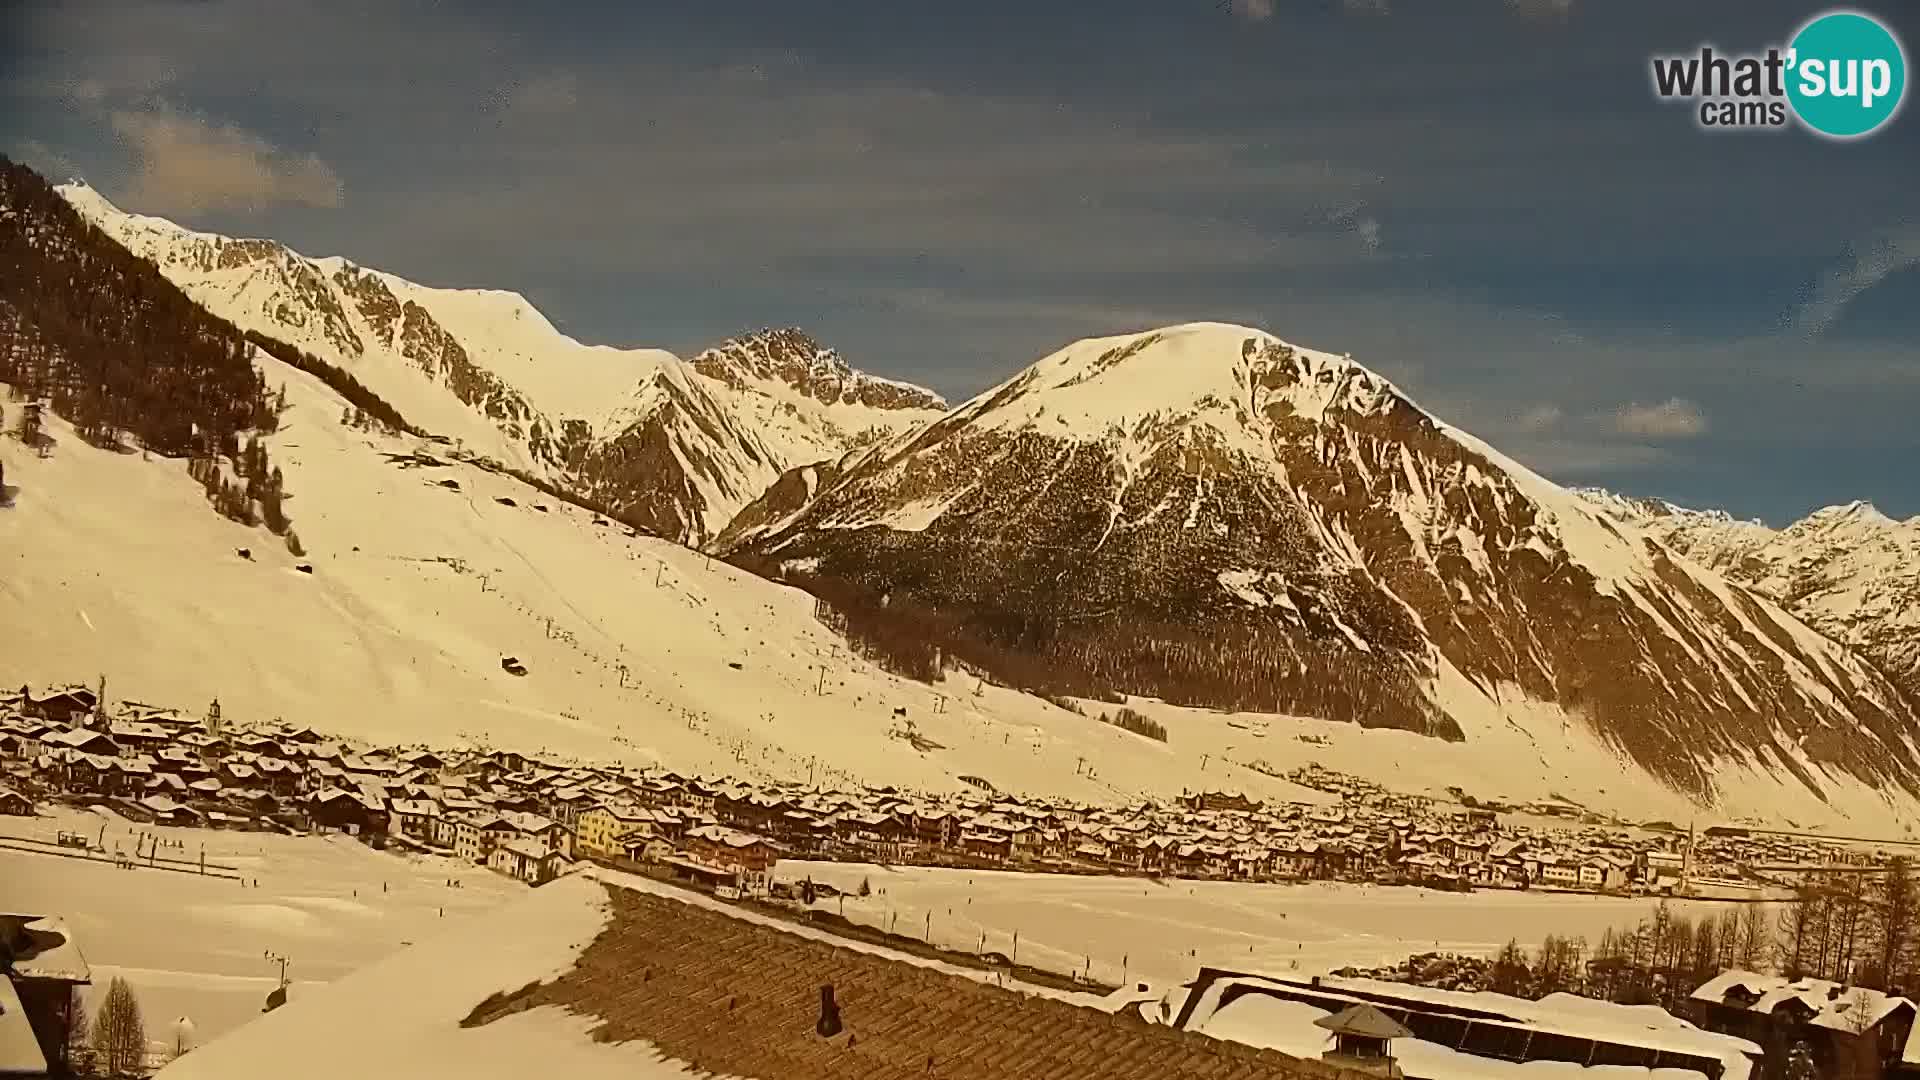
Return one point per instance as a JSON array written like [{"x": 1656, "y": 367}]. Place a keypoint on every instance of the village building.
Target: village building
[
  {"x": 476, "y": 835},
  {"x": 15, "y": 804},
  {"x": 1845, "y": 1029},
  {"x": 528, "y": 860}
]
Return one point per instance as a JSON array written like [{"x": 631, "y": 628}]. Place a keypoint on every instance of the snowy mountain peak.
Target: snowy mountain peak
[
  {"x": 1215, "y": 375},
  {"x": 1856, "y": 514},
  {"x": 791, "y": 357}
]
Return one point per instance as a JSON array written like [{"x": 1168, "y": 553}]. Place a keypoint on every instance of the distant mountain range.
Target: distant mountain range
[
  {"x": 1204, "y": 515},
  {"x": 1850, "y": 571}
]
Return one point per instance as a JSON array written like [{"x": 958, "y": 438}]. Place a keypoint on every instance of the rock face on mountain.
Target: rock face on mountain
[
  {"x": 1213, "y": 516},
  {"x": 1849, "y": 571},
  {"x": 675, "y": 446}
]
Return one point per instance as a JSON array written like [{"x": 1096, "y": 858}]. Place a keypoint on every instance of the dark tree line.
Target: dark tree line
[
  {"x": 1857, "y": 928},
  {"x": 367, "y": 403},
  {"x": 1854, "y": 928},
  {"x": 116, "y": 349},
  {"x": 1660, "y": 961}
]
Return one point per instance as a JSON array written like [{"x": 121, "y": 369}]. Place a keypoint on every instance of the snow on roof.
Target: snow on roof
[
  {"x": 1832, "y": 1003},
  {"x": 404, "y": 1012},
  {"x": 1563, "y": 1014},
  {"x": 55, "y": 954},
  {"x": 19, "y": 1049},
  {"x": 527, "y": 848}
]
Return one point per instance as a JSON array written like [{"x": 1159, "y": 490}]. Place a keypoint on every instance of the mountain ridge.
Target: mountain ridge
[
  {"x": 1849, "y": 570},
  {"x": 677, "y": 446}
]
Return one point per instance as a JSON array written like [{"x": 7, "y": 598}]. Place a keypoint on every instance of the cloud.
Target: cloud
[
  {"x": 1540, "y": 418},
  {"x": 1542, "y": 10},
  {"x": 185, "y": 163},
  {"x": 1253, "y": 10},
  {"x": 1368, "y": 229},
  {"x": 545, "y": 95},
  {"x": 1866, "y": 265},
  {"x": 1674, "y": 418}
]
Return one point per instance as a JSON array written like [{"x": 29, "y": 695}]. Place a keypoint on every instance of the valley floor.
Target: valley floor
[
  {"x": 1133, "y": 928},
  {"x": 198, "y": 946}
]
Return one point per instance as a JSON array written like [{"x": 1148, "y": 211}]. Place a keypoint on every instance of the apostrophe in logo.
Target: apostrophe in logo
[
  {"x": 1844, "y": 75},
  {"x": 1848, "y": 74}
]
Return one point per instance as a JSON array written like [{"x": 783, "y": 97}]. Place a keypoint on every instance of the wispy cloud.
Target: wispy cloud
[
  {"x": 1540, "y": 418},
  {"x": 541, "y": 95},
  {"x": 186, "y": 163},
  {"x": 1253, "y": 10},
  {"x": 1675, "y": 418},
  {"x": 1368, "y": 229},
  {"x": 1866, "y": 265}
]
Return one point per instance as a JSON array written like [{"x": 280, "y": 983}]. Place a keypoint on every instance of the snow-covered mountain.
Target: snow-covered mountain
[
  {"x": 677, "y": 446},
  {"x": 1275, "y": 552},
  {"x": 1211, "y": 515},
  {"x": 1850, "y": 571}
]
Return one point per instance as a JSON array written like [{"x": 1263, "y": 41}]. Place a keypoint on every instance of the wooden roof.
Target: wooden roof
[{"x": 735, "y": 998}]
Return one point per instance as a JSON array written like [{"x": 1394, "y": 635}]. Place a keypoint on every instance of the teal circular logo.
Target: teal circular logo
[{"x": 1847, "y": 74}]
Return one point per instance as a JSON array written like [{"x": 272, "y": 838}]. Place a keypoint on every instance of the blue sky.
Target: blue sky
[{"x": 1478, "y": 198}]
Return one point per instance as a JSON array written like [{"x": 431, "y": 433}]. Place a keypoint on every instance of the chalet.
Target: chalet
[
  {"x": 507, "y": 761},
  {"x": 207, "y": 746},
  {"x": 423, "y": 759},
  {"x": 566, "y": 804},
  {"x": 1843, "y": 1027},
  {"x": 720, "y": 846},
  {"x": 21, "y": 739},
  {"x": 650, "y": 849},
  {"x": 168, "y": 784},
  {"x": 528, "y": 860},
  {"x": 162, "y": 810},
  {"x": 1219, "y": 800},
  {"x": 413, "y": 818},
  {"x": 83, "y": 740},
  {"x": 935, "y": 828},
  {"x": 250, "y": 802},
  {"x": 61, "y": 706},
  {"x": 995, "y": 846},
  {"x": 139, "y": 738},
  {"x": 15, "y": 804},
  {"x": 339, "y": 810},
  {"x": 253, "y": 742}
]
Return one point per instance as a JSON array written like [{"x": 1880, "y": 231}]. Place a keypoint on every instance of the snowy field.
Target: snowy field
[
  {"x": 196, "y": 946},
  {"x": 1162, "y": 933}
]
